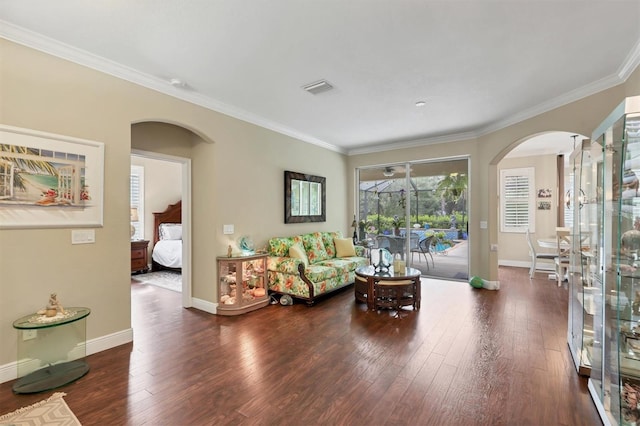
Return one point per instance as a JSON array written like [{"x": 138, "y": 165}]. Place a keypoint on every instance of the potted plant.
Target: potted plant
[
  {"x": 441, "y": 242},
  {"x": 397, "y": 223}
]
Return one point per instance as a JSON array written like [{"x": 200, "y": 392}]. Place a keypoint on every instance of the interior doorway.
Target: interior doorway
[
  {"x": 175, "y": 168},
  {"x": 418, "y": 211}
]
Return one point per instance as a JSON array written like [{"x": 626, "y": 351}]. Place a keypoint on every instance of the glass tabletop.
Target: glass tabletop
[
  {"x": 42, "y": 321},
  {"x": 371, "y": 271}
]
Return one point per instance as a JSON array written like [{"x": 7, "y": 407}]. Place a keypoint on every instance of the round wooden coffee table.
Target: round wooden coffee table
[{"x": 388, "y": 290}]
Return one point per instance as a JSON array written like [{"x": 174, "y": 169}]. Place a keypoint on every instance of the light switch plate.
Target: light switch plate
[
  {"x": 227, "y": 229},
  {"x": 83, "y": 236},
  {"x": 483, "y": 224}
]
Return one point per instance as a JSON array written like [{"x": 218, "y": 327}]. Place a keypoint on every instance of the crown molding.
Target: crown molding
[
  {"x": 631, "y": 63},
  {"x": 55, "y": 48}
]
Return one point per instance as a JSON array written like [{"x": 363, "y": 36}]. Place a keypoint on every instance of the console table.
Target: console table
[
  {"x": 392, "y": 289},
  {"x": 51, "y": 350}
]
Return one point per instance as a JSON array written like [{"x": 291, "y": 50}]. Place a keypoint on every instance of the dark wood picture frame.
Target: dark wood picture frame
[{"x": 301, "y": 206}]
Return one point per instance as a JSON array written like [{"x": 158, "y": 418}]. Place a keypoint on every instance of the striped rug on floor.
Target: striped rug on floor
[{"x": 52, "y": 411}]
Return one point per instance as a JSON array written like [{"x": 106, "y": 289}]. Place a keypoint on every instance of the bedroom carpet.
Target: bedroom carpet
[{"x": 165, "y": 279}]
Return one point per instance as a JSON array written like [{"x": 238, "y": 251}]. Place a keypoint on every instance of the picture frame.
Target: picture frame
[
  {"x": 544, "y": 193},
  {"x": 49, "y": 180},
  {"x": 544, "y": 205},
  {"x": 304, "y": 198}
]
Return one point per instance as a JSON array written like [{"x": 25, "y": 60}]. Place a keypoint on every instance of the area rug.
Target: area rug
[
  {"x": 169, "y": 280},
  {"x": 51, "y": 411}
]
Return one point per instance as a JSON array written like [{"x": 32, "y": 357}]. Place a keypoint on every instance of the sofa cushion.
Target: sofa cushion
[
  {"x": 317, "y": 273},
  {"x": 327, "y": 239},
  {"x": 314, "y": 247},
  {"x": 296, "y": 251},
  {"x": 344, "y": 264},
  {"x": 344, "y": 247}
]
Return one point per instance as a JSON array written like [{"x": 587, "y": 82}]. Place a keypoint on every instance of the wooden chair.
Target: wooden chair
[
  {"x": 562, "y": 260},
  {"x": 535, "y": 256}
]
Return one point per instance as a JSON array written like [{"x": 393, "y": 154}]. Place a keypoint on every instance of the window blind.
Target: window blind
[{"x": 516, "y": 199}]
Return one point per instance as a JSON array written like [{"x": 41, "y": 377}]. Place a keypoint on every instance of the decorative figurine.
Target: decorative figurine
[
  {"x": 381, "y": 267},
  {"x": 53, "y": 307},
  {"x": 229, "y": 251}
]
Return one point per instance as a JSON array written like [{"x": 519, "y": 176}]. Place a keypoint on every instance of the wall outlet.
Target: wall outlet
[{"x": 29, "y": 334}]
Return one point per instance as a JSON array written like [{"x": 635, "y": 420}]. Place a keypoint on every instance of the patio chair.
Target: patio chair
[
  {"x": 535, "y": 256},
  {"x": 423, "y": 247}
]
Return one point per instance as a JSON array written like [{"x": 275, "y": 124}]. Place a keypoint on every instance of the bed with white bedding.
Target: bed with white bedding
[{"x": 167, "y": 239}]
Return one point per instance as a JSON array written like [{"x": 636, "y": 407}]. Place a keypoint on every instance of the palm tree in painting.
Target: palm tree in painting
[{"x": 19, "y": 157}]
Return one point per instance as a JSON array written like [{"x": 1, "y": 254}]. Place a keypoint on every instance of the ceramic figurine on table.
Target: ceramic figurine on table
[{"x": 53, "y": 307}]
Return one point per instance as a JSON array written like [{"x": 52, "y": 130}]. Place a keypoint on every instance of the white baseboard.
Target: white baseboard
[
  {"x": 10, "y": 371},
  {"x": 204, "y": 305},
  {"x": 523, "y": 264}
]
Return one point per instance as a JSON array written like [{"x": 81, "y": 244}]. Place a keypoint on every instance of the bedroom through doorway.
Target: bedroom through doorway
[{"x": 157, "y": 193}]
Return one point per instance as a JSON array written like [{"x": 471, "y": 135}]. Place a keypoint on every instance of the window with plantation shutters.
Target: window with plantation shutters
[
  {"x": 137, "y": 201},
  {"x": 517, "y": 200}
]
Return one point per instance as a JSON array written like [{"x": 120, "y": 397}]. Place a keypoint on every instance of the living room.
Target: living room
[{"x": 235, "y": 164}]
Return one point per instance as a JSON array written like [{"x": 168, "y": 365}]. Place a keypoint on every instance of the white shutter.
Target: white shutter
[
  {"x": 137, "y": 200},
  {"x": 517, "y": 199}
]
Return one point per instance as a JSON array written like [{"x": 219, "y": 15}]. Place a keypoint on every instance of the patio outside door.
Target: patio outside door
[{"x": 418, "y": 211}]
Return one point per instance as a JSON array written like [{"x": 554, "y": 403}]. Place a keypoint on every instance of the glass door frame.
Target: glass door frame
[{"x": 407, "y": 185}]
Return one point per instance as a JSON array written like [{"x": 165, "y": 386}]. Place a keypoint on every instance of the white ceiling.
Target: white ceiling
[{"x": 479, "y": 65}]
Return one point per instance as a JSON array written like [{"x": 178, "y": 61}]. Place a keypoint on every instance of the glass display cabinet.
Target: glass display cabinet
[
  {"x": 614, "y": 382},
  {"x": 581, "y": 291},
  {"x": 242, "y": 284}
]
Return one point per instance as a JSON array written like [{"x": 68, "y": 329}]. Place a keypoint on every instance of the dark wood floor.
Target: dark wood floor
[{"x": 468, "y": 357}]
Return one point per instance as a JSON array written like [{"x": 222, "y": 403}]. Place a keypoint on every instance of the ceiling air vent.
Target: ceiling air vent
[{"x": 318, "y": 87}]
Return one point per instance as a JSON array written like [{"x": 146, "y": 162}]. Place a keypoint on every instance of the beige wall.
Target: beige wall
[
  {"x": 513, "y": 249},
  {"x": 237, "y": 175},
  {"x": 486, "y": 151}
]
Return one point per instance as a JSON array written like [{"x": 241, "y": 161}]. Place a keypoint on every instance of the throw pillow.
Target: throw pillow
[
  {"x": 297, "y": 252},
  {"x": 344, "y": 247}
]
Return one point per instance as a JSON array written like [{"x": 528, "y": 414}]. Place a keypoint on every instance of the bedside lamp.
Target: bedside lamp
[{"x": 133, "y": 218}]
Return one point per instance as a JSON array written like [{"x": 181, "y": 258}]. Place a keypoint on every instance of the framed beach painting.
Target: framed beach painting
[{"x": 49, "y": 181}]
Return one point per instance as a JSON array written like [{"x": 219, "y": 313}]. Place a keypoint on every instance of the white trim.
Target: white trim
[
  {"x": 53, "y": 47},
  {"x": 205, "y": 305},
  {"x": 10, "y": 371}
]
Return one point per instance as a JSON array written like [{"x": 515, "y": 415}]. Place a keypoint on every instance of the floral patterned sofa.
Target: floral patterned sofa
[{"x": 312, "y": 265}]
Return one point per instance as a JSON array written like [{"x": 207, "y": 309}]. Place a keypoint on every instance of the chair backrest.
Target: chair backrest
[
  {"x": 529, "y": 243},
  {"x": 563, "y": 239},
  {"x": 414, "y": 240},
  {"x": 425, "y": 244},
  {"x": 383, "y": 242}
]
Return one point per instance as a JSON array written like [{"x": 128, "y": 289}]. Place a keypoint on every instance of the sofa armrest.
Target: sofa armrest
[
  {"x": 360, "y": 250},
  {"x": 286, "y": 265}
]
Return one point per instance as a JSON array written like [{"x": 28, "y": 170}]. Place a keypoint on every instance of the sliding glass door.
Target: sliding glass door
[{"x": 418, "y": 210}]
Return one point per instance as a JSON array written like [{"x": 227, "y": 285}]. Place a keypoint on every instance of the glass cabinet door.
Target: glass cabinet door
[
  {"x": 581, "y": 300},
  {"x": 615, "y": 377}
]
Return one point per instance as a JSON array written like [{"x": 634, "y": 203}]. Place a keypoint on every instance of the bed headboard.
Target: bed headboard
[{"x": 172, "y": 214}]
